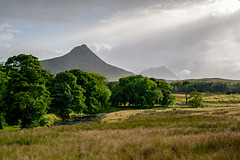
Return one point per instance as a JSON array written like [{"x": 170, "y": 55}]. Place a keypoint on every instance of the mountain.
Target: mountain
[
  {"x": 83, "y": 58},
  {"x": 160, "y": 73}
]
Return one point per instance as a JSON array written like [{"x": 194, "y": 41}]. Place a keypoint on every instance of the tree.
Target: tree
[
  {"x": 26, "y": 98},
  {"x": 67, "y": 96},
  {"x": 195, "y": 99},
  {"x": 96, "y": 91},
  {"x": 186, "y": 84},
  {"x": 3, "y": 80},
  {"x": 166, "y": 90}
]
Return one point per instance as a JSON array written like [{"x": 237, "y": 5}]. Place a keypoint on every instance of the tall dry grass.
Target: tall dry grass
[{"x": 150, "y": 135}]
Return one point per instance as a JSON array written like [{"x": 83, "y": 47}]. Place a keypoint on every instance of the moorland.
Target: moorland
[{"x": 176, "y": 132}]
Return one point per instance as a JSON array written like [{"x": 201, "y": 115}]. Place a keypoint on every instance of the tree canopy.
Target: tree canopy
[{"x": 26, "y": 98}]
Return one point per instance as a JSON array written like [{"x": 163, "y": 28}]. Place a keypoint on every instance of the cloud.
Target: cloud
[
  {"x": 185, "y": 72},
  {"x": 99, "y": 47},
  {"x": 196, "y": 36},
  {"x": 6, "y": 34},
  {"x": 64, "y": 11},
  {"x": 202, "y": 37}
]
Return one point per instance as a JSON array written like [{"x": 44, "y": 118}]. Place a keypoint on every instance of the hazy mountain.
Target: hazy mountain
[
  {"x": 160, "y": 73},
  {"x": 83, "y": 58}
]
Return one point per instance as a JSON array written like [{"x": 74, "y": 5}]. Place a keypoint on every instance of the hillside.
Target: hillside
[
  {"x": 160, "y": 73},
  {"x": 83, "y": 58}
]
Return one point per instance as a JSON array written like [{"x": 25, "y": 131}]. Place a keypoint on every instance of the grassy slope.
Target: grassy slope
[{"x": 147, "y": 134}]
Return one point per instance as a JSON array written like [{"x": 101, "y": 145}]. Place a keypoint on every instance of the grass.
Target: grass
[
  {"x": 201, "y": 133},
  {"x": 213, "y": 100},
  {"x": 10, "y": 128}
]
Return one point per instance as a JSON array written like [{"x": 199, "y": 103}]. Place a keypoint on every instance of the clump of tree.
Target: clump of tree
[
  {"x": 141, "y": 92},
  {"x": 79, "y": 92},
  {"x": 29, "y": 92}
]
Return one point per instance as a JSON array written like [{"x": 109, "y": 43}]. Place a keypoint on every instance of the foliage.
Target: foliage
[
  {"x": 96, "y": 91},
  {"x": 67, "y": 96},
  {"x": 140, "y": 91},
  {"x": 195, "y": 99},
  {"x": 166, "y": 89},
  {"x": 26, "y": 98},
  {"x": 51, "y": 119},
  {"x": 3, "y": 80}
]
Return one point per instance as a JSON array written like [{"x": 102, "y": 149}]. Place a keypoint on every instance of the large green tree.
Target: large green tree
[
  {"x": 67, "y": 96},
  {"x": 96, "y": 91},
  {"x": 26, "y": 98}
]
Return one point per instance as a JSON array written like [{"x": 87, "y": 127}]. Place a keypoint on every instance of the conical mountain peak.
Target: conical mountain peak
[
  {"x": 80, "y": 48},
  {"x": 81, "y": 57}
]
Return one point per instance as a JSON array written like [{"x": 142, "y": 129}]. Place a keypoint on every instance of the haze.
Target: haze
[{"x": 193, "y": 38}]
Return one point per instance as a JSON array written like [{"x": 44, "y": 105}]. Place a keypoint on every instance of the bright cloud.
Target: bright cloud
[
  {"x": 185, "y": 73},
  {"x": 98, "y": 47}
]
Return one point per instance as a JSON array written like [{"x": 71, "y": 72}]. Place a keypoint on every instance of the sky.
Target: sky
[{"x": 192, "y": 38}]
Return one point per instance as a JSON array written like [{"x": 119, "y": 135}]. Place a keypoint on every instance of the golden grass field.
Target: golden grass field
[{"x": 172, "y": 133}]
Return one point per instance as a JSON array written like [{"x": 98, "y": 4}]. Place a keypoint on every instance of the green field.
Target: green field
[{"x": 190, "y": 133}]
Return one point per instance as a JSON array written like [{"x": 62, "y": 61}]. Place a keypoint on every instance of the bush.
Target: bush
[
  {"x": 51, "y": 119},
  {"x": 195, "y": 99}
]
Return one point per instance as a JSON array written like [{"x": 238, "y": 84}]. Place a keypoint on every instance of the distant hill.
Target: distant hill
[
  {"x": 212, "y": 80},
  {"x": 83, "y": 58},
  {"x": 160, "y": 73}
]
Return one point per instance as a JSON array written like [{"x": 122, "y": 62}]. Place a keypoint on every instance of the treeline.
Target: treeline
[
  {"x": 211, "y": 87},
  {"x": 29, "y": 92}
]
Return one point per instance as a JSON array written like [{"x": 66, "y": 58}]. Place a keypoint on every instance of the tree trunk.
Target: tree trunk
[
  {"x": 1, "y": 125},
  {"x": 186, "y": 98}
]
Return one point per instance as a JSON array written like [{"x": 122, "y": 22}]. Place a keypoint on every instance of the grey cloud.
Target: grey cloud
[{"x": 67, "y": 10}]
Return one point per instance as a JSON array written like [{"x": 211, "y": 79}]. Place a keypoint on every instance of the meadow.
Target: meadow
[{"x": 159, "y": 133}]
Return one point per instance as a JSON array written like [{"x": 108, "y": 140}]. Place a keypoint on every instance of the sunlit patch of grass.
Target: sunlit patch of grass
[{"x": 10, "y": 128}]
